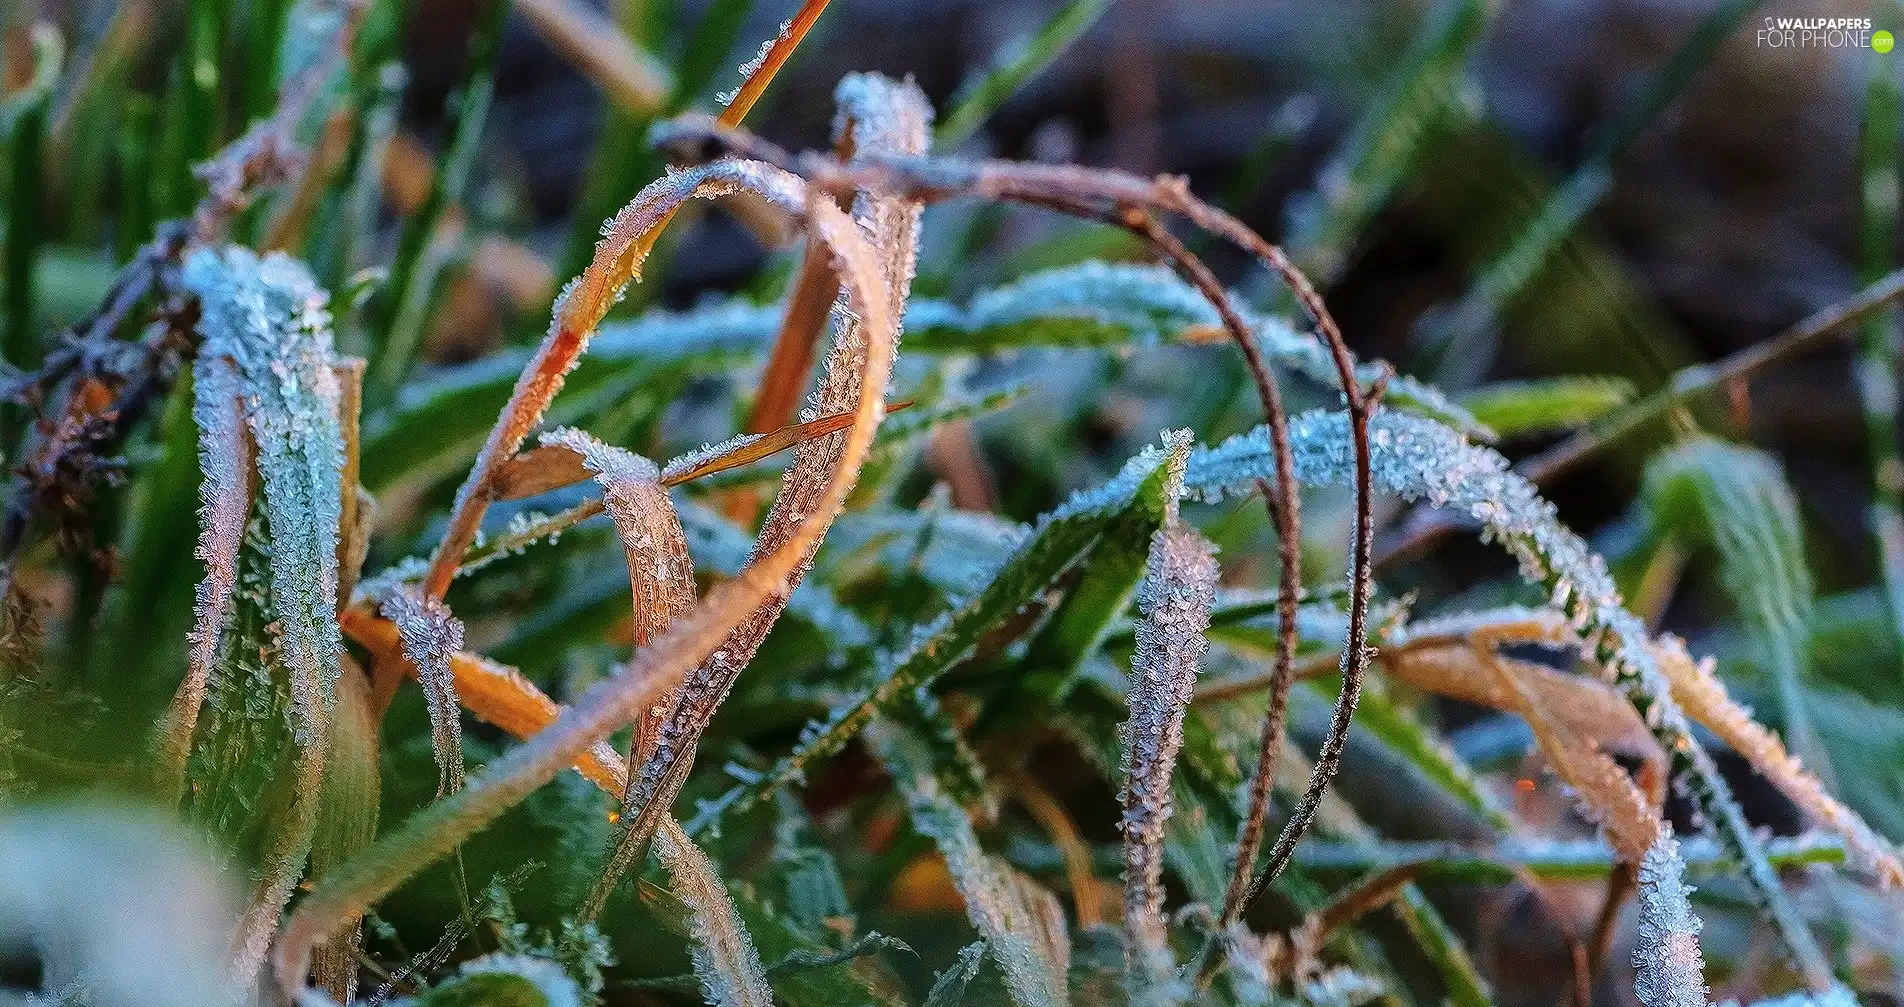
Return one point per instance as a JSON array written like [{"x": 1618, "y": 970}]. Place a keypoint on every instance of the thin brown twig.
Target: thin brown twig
[
  {"x": 1225, "y": 689},
  {"x": 1368, "y": 895},
  {"x": 1284, "y": 504}
]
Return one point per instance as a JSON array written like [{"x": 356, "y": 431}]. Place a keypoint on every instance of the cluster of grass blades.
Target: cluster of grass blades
[{"x": 713, "y": 724}]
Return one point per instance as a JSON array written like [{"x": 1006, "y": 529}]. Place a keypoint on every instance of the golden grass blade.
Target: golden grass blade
[{"x": 549, "y": 467}]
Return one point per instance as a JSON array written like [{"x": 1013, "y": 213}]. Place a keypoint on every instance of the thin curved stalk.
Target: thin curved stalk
[{"x": 1285, "y": 514}]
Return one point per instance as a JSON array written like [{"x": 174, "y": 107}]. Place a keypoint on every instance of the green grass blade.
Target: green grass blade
[
  {"x": 623, "y": 160},
  {"x": 1561, "y": 860},
  {"x": 24, "y": 117},
  {"x": 1411, "y": 739},
  {"x": 1382, "y": 148},
  {"x": 1738, "y": 500},
  {"x": 1003, "y": 906},
  {"x": 402, "y": 307},
  {"x": 1879, "y": 338},
  {"x": 988, "y": 93},
  {"x": 195, "y": 103},
  {"x": 1460, "y": 980},
  {"x": 724, "y": 956},
  {"x": 1061, "y": 540},
  {"x": 1468, "y": 323},
  {"x": 1547, "y": 405}
]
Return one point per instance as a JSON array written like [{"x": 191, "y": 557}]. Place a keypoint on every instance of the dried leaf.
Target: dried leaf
[
  {"x": 656, "y": 669},
  {"x": 663, "y": 585},
  {"x": 1698, "y": 689},
  {"x": 650, "y": 532},
  {"x": 1421, "y": 459},
  {"x": 1605, "y": 791},
  {"x": 578, "y": 310},
  {"x": 555, "y": 464}
]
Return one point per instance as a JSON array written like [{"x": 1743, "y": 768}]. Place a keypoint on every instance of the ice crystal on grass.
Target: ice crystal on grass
[
  {"x": 1098, "y": 303},
  {"x": 224, "y": 508},
  {"x": 892, "y": 226},
  {"x": 1009, "y": 910},
  {"x": 1174, "y": 601},
  {"x": 268, "y": 318},
  {"x": 955, "y": 551},
  {"x": 752, "y": 66},
  {"x": 1423, "y": 460},
  {"x": 719, "y": 546},
  {"x": 1697, "y": 687},
  {"x": 431, "y": 636},
  {"x": 683, "y": 464},
  {"x": 948, "y": 987},
  {"x": 651, "y": 534},
  {"x": 724, "y": 957},
  {"x": 1666, "y": 951},
  {"x": 1061, "y": 538},
  {"x": 735, "y": 327}
]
